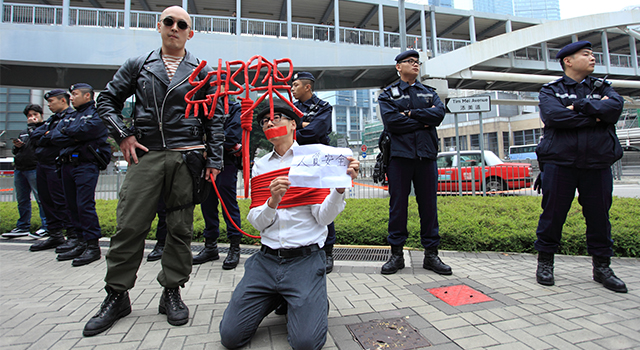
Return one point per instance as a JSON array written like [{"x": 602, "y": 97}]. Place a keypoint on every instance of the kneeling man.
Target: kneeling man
[{"x": 291, "y": 264}]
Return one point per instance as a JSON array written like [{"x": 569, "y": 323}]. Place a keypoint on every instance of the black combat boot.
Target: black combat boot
[
  {"x": 114, "y": 307},
  {"x": 156, "y": 253},
  {"x": 90, "y": 254},
  {"x": 171, "y": 305},
  {"x": 72, "y": 242},
  {"x": 73, "y": 253},
  {"x": 395, "y": 262},
  {"x": 55, "y": 239},
  {"x": 328, "y": 251},
  {"x": 233, "y": 257},
  {"x": 602, "y": 273},
  {"x": 544, "y": 274},
  {"x": 432, "y": 262},
  {"x": 209, "y": 253}
]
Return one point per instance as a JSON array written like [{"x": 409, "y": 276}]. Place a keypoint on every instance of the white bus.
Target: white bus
[{"x": 523, "y": 152}]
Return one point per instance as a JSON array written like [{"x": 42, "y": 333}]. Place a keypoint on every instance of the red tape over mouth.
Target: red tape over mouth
[{"x": 275, "y": 132}]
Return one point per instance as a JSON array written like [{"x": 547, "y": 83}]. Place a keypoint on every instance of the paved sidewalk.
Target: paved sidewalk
[{"x": 44, "y": 304}]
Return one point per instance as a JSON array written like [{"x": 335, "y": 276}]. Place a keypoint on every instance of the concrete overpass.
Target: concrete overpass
[{"x": 55, "y": 45}]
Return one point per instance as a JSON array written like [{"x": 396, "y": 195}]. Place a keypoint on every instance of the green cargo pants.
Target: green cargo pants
[{"x": 157, "y": 172}]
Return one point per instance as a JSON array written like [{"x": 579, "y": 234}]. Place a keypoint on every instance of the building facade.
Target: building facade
[{"x": 544, "y": 9}]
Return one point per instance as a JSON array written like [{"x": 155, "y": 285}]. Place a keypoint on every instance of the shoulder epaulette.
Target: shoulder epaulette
[{"x": 553, "y": 82}]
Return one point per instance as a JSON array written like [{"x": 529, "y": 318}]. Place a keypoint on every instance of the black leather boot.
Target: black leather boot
[
  {"x": 73, "y": 253},
  {"x": 395, "y": 262},
  {"x": 171, "y": 305},
  {"x": 544, "y": 274},
  {"x": 114, "y": 307},
  {"x": 328, "y": 251},
  {"x": 432, "y": 262},
  {"x": 602, "y": 273},
  {"x": 156, "y": 253},
  {"x": 209, "y": 253},
  {"x": 55, "y": 239},
  {"x": 233, "y": 257},
  {"x": 72, "y": 242},
  {"x": 90, "y": 254}
]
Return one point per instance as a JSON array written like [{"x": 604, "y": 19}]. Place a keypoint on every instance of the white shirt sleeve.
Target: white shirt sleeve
[
  {"x": 262, "y": 217},
  {"x": 332, "y": 205}
]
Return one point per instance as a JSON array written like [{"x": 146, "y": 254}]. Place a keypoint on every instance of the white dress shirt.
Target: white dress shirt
[{"x": 297, "y": 226}]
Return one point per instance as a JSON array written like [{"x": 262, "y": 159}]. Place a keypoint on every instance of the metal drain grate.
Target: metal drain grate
[
  {"x": 387, "y": 334},
  {"x": 361, "y": 254}
]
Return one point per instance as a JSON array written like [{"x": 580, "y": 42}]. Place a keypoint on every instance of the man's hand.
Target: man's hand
[
  {"x": 570, "y": 107},
  {"x": 211, "y": 171},
  {"x": 278, "y": 188},
  {"x": 352, "y": 170},
  {"x": 18, "y": 143},
  {"x": 128, "y": 147}
]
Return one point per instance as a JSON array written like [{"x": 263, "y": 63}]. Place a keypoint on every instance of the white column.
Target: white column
[
  {"x": 605, "y": 51},
  {"x": 634, "y": 54},
  {"x": 289, "y": 19},
  {"x": 402, "y": 23},
  {"x": 434, "y": 32},
  {"x": 336, "y": 19},
  {"x": 238, "y": 17},
  {"x": 472, "y": 29},
  {"x": 423, "y": 32},
  {"x": 381, "y": 24},
  {"x": 545, "y": 55},
  {"x": 127, "y": 14},
  {"x": 185, "y": 5},
  {"x": 574, "y": 38},
  {"x": 508, "y": 29},
  {"x": 65, "y": 12}
]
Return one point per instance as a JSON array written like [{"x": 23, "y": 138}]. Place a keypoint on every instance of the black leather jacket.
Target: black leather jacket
[{"x": 159, "y": 121}]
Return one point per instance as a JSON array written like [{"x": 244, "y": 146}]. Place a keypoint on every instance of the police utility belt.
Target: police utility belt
[
  {"x": 291, "y": 253},
  {"x": 73, "y": 158}
]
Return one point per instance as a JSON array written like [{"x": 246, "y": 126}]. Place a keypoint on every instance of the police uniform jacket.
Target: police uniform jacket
[
  {"x": 410, "y": 138},
  {"x": 47, "y": 152},
  {"x": 79, "y": 131},
  {"x": 25, "y": 156},
  {"x": 573, "y": 138},
  {"x": 233, "y": 136},
  {"x": 318, "y": 113},
  {"x": 159, "y": 121}
]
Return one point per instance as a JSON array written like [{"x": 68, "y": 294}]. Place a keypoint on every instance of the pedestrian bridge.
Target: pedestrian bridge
[{"x": 48, "y": 46}]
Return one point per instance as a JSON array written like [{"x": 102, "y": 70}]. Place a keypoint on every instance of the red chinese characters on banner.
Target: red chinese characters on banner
[{"x": 224, "y": 80}]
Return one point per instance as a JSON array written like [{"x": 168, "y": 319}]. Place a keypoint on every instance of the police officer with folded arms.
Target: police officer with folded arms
[
  {"x": 410, "y": 113},
  {"x": 85, "y": 151},
  {"x": 579, "y": 146}
]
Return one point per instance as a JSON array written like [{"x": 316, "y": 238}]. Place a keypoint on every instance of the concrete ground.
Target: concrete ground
[{"x": 44, "y": 304}]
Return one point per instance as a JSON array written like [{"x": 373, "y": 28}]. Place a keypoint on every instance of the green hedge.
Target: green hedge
[{"x": 505, "y": 224}]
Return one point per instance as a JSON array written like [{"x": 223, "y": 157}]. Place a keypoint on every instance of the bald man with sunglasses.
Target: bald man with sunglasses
[{"x": 157, "y": 146}]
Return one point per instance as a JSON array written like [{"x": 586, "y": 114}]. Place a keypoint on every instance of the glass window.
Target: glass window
[
  {"x": 475, "y": 141},
  {"x": 445, "y": 161},
  {"x": 22, "y": 98}
]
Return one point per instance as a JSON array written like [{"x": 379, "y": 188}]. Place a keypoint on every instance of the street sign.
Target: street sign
[
  {"x": 473, "y": 104},
  {"x": 364, "y": 154},
  {"x": 364, "y": 148}
]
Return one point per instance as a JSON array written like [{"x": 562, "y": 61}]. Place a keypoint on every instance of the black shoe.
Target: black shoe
[
  {"x": 544, "y": 273},
  {"x": 432, "y": 262},
  {"x": 55, "y": 239},
  {"x": 233, "y": 257},
  {"x": 602, "y": 273},
  {"x": 171, "y": 305},
  {"x": 71, "y": 243},
  {"x": 114, "y": 307},
  {"x": 73, "y": 253},
  {"x": 283, "y": 308},
  {"x": 90, "y": 254},
  {"x": 209, "y": 253},
  {"x": 328, "y": 250},
  {"x": 395, "y": 262},
  {"x": 156, "y": 253}
]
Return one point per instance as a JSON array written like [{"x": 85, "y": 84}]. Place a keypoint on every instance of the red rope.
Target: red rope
[
  {"x": 224, "y": 207},
  {"x": 294, "y": 197}
]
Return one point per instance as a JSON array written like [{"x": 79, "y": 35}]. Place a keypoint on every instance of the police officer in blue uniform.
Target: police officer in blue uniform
[
  {"x": 83, "y": 138},
  {"x": 48, "y": 181},
  {"x": 226, "y": 183},
  {"x": 578, "y": 148},
  {"x": 315, "y": 128},
  {"x": 410, "y": 113}
]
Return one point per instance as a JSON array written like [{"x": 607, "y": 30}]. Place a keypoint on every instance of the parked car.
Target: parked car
[
  {"x": 500, "y": 176},
  {"x": 121, "y": 166}
]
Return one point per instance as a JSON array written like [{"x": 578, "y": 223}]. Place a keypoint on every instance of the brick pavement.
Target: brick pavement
[{"x": 44, "y": 304}]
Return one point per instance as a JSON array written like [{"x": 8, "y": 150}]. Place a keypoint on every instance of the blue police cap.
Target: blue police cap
[
  {"x": 83, "y": 86},
  {"x": 572, "y": 48},
  {"x": 408, "y": 53},
  {"x": 303, "y": 75},
  {"x": 55, "y": 92}
]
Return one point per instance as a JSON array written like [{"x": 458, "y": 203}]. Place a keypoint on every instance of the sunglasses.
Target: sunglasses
[{"x": 168, "y": 21}]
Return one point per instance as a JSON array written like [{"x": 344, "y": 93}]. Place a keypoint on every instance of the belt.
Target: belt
[{"x": 291, "y": 253}]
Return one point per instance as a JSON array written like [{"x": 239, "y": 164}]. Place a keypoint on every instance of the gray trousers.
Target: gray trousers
[
  {"x": 157, "y": 172},
  {"x": 268, "y": 280}
]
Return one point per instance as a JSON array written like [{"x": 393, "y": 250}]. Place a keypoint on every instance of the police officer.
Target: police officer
[
  {"x": 226, "y": 183},
  {"x": 83, "y": 138},
  {"x": 578, "y": 148},
  {"x": 315, "y": 128},
  {"x": 411, "y": 112},
  {"x": 48, "y": 181}
]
